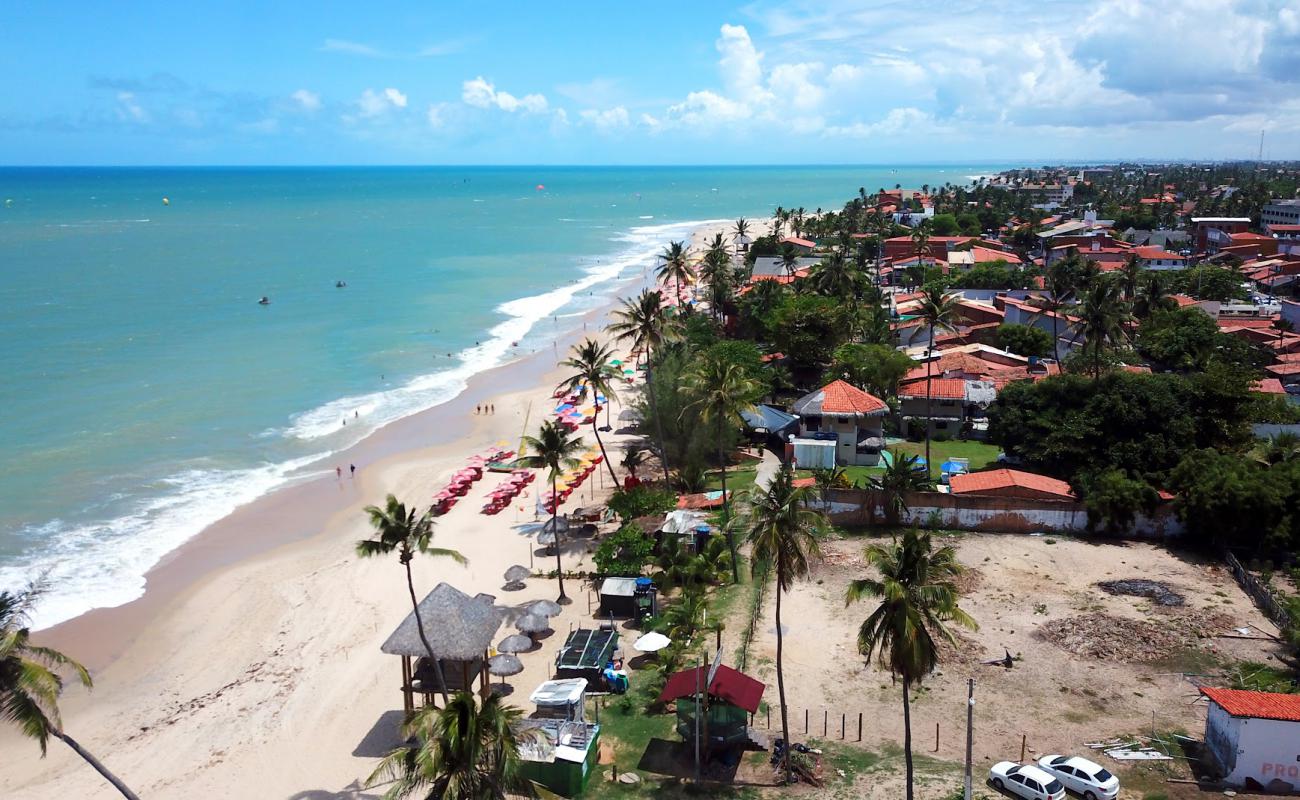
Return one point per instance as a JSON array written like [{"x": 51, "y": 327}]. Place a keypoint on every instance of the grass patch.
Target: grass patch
[
  {"x": 1259, "y": 677},
  {"x": 739, "y": 479}
]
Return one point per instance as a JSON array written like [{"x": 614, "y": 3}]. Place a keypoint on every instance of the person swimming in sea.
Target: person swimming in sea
[{"x": 265, "y": 301}]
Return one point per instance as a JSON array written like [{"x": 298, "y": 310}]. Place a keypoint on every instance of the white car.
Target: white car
[
  {"x": 1026, "y": 781},
  {"x": 1083, "y": 777}
]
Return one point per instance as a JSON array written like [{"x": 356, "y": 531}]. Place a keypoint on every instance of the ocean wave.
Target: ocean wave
[{"x": 103, "y": 564}]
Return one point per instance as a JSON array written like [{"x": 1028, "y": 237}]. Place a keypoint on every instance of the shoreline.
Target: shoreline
[{"x": 100, "y": 635}]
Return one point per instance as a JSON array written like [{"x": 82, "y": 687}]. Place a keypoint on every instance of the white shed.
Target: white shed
[{"x": 1255, "y": 738}]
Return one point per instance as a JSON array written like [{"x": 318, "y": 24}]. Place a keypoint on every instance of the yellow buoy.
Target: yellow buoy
[{"x": 166, "y": 202}]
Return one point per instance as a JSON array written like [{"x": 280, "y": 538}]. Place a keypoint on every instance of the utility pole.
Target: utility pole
[
  {"x": 699, "y": 711},
  {"x": 970, "y": 731}
]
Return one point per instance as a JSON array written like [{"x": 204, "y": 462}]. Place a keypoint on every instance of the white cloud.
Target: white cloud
[
  {"x": 375, "y": 104},
  {"x": 481, "y": 93},
  {"x": 436, "y": 115},
  {"x": 352, "y": 48},
  {"x": 306, "y": 100},
  {"x": 129, "y": 109},
  {"x": 607, "y": 119}
]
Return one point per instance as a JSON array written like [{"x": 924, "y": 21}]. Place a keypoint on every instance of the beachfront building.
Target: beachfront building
[
  {"x": 563, "y": 757},
  {"x": 844, "y": 417},
  {"x": 460, "y": 630},
  {"x": 1254, "y": 738}
]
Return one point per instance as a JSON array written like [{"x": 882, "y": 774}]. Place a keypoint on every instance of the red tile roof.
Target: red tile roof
[
  {"x": 1249, "y": 236},
  {"x": 1268, "y": 386},
  {"x": 940, "y": 389},
  {"x": 730, "y": 685},
  {"x": 981, "y": 482},
  {"x": 1284, "y": 228},
  {"x": 1260, "y": 705},
  {"x": 842, "y": 397},
  {"x": 1157, "y": 253},
  {"x": 798, "y": 241},
  {"x": 987, "y": 255}
]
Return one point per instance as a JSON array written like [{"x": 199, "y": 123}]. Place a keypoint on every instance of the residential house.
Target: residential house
[
  {"x": 1020, "y": 312},
  {"x": 854, "y": 417},
  {"x": 955, "y": 405},
  {"x": 802, "y": 245},
  {"x": 1011, "y": 483},
  {"x": 1254, "y": 738},
  {"x": 1280, "y": 212},
  {"x": 1159, "y": 259}
]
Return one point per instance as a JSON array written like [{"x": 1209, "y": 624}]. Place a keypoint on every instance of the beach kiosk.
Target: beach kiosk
[
  {"x": 627, "y": 598},
  {"x": 563, "y": 699},
  {"x": 585, "y": 654},
  {"x": 562, "y": 757},
  {"x": 460, "y": 630},
  {"x": 729, "y": 698}
]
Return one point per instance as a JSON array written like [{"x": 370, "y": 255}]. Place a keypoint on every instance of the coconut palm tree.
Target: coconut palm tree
[
  {"x": 921, "y": 239},
  {"x": 1103, "y": 316},
  {"x": 555, "y": 449},
  {"x": 465, "y": 751},
  {"x": 901, "y": 475},
  {"x": 717, "y": 274},
  {"x": 30, "y": 683},
  {"x": 917, "y": 598},
  {"x": 407, "y": 532},
  {"x": 939, "y": 310},
  {"x": 1061, "y": 283},
  {"x": 1280, "y": 448},
  {"x": 642, "y": 323},
  {"x": 782, "y": 531},
  {"x": 633, "y": 458},
  {"x": 789, "y": 259},
  {"x": 836, "y": 277},
  {"x": 741, "y": 229},
  {"x": 1130, "y": 276},
  {"x": 591, "y": 373},
  {"x": 1152, "y": 297},
  {"x": 675, "y": 266},
  {"x": 720, "y": 391}
]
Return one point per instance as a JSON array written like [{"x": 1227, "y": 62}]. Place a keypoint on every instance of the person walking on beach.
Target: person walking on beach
[
  {"x": 353, "y": 468},
  {"x": 338, "y": 473},
  {"x": 478, "y": 409}
]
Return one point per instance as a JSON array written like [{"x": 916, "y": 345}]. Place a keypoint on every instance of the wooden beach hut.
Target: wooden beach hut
[
  {"x": 728, "y": 696},
  {"x": 460, "y": 630}
]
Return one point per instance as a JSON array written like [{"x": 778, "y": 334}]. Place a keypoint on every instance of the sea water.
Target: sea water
[{"x": 145, "y": 393}]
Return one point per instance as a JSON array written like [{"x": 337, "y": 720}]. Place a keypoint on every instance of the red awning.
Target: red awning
[{"x": 729, "y": 685}]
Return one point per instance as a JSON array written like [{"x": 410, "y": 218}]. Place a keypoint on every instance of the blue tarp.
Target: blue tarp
[{"x": 773, "y": 420}]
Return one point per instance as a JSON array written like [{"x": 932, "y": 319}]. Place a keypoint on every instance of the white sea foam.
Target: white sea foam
[{"x": 103, "y": 564}]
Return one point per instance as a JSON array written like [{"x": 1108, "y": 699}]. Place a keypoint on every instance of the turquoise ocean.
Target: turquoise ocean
[{"x": 146, "y": 394}]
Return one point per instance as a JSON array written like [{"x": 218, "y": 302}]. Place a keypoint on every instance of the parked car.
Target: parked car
[
  {"x": 1026, "y": 781},
  {"x": 1090, "y": 780},
  {"x": 1008, "y": 460}
]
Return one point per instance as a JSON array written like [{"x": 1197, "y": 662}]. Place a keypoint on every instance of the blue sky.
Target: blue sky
[{"x": 815, "y": 81}]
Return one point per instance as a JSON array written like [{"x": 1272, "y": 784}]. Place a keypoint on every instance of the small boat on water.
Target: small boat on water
[
  {"x": 265, "y": 301},
  {"x": 340, "y": 284}
]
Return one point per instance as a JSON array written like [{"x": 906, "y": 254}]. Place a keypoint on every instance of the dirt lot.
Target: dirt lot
[{"x": 1089, "y": 665}]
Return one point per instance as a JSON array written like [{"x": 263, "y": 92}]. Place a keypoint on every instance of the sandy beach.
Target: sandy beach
[{"x": 251, "y": 666}]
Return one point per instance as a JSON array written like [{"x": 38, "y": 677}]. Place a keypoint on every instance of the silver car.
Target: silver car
[{"x": 1025, "y": 781}]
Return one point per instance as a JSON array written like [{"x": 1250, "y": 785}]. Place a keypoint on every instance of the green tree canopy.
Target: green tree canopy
[
  {"x": 876, "y": 368},
  {"x": 1024, "y": 340}
]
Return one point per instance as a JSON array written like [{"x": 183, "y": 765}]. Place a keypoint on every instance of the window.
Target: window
[
  {"x": 1032, "y": 785},
  {"x": 842, "y": 420},
  {"x": 941, "y": 425},
  {"x": 1017, "y": 778},
  {"x": 1054, "y": 787},
  {"x": 1102, "y": 775},
  {"x": 813, "y": 424}
]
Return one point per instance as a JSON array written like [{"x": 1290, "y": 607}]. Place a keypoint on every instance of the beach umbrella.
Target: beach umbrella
[
  {"x": 532, "y": 623},
  {"x": 546, "y": 538},
  {"x": 515, "y": 643},
  {"x": 559, "y": 523},
  {"x": 505, "y": 664},
  {"x": 544, "y": 608},
  {"x": 652, "y": 642}
]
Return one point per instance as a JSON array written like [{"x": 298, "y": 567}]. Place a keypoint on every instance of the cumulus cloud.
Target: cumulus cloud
[
  {"x": 129, "y": 109},
  {"x": 306, "y": 100},
  {"x": 607, "y": 119},
  {"x": 375, "y": 104},
  {"x": 481, "y": 93}
]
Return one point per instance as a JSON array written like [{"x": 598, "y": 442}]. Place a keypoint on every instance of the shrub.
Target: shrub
[
  {"x": 640, "y": 501},
  {"x": 624, "y": 552}
]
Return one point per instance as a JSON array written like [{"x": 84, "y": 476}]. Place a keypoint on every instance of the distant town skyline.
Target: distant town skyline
[{"x": 832, "y": 81}]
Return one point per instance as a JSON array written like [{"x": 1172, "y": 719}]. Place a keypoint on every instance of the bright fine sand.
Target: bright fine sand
[{"x": 251, "y": 667}]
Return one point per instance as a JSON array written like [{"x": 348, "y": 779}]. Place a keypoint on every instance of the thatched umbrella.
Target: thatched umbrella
[
  {"x": 532, "y": 623},
  {"x": 464, "y": 630},
  {"x": 505, "y": 664},
  {"x": 515, "y": 643},
  {"x": 546, "y": 537},
  {"x": 518, "y": 573},
  {"x": 552, "y": 525},
  {"x": 543, "y": 608}
]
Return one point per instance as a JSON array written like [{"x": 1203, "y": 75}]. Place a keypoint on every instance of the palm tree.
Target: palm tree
[
  {"x": 1061, "y": 282},
  {"x": 592, "y": 373},
  {"x": 462, "y": 752},
  {"x": 921, "y": 239},
  {"x": 407, "y": 532},
  {"x": 633, "y": 458},
  {"x": 900, "y": 475},
  {"x": 721, "y": 391},
  {"x": 643, "y": 323},
  {"x": 939, "y": 310},
  {"x": 555, "y": 449},
  {"x": 1152, "y": 297},
  {"x": 30, "y": 683},
  {"x": 1102, "y": 315},
  {"x": 917, "y": 597},
  {"x": 1280, "y": 448},
  {"x": 1130, "y": 276},
  {"x": 782, "y": 531},
  {"x": 789, "y": 259},
  {"x": 675, "y": 266},
  {"x": 836, "y": 277},
  {"x": 741, "y": 229},
  {"x": 716, "y": 272}
]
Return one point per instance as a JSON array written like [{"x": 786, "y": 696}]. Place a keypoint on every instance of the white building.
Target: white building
[
  {"x": 1281, "y": 212},
  {"x": 1255, "y": 738}
]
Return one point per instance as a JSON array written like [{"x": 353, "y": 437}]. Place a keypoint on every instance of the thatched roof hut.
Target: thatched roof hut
[{"x": 459, "y": 627}]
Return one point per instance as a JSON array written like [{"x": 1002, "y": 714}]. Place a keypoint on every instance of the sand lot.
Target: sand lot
[{"x": 1057, "y": 698}]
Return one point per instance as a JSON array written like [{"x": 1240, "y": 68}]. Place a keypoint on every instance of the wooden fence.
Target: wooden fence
[{"x": 1261, "y": 594}]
